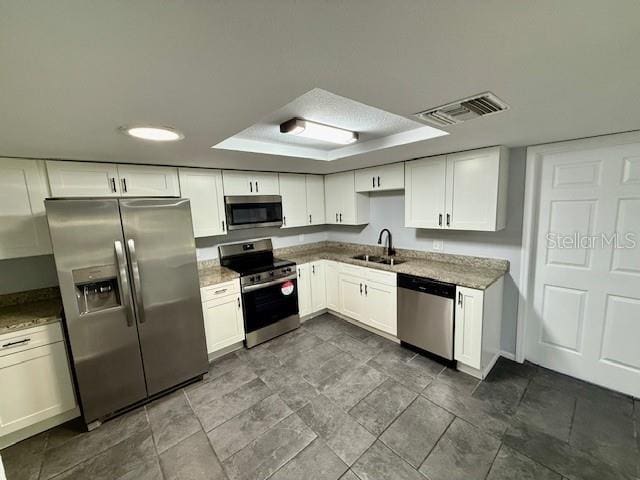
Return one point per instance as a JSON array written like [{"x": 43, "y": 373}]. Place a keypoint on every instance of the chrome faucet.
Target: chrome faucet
[{"x": 390, "y": 250}]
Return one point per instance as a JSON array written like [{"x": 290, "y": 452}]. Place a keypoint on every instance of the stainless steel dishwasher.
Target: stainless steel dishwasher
[{"x": 426, "y": 314}]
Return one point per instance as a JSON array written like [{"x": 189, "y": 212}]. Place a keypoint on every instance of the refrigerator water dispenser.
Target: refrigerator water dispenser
[{"x": 97, "y": 288}]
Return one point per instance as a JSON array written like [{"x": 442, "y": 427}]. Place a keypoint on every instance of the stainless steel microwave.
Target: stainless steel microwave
[{"x": 251, "y": 211}]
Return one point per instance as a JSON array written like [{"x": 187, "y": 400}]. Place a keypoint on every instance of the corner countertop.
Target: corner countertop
[
  {"x": 29, "y": 309},
  {"x": 465, "y": 271},
  {"x": 211, "y": 273}
]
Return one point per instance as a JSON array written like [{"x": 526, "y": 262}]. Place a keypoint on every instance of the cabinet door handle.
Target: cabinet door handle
[
  {"x": 299, "y": 274},
  {"x": 460, "y": 298},
  {"x": 360, "y": 289},
  {"x": 440, "y": 220},
  {"x": 223, "y": 225},
  {"x": 373, "y": 182},
  {"x": 313, "y": 269},
  {"x": 340, "y": 218},
  {"x": 113, "y": 185},
  {"x": 336, "y": 218},
  {"x": 448, "y": 220},
  {"x": 251, "y": 187},
  {"x": 19, "y": 342},
  {"x": 238, "y": 302},
  {"x": 310, "y": 218},
  {"x": 257, "y": 187},
  {"x": 366, "y": 292},
  {"x": 222, "y": 290},
  {"x": 378, "y": 181},
  {"x": 124, "y": 185},
  {"x": 284, "y": 220}
]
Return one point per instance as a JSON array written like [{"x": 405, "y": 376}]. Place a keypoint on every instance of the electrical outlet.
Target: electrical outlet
[{"x": 438, "y": 245}]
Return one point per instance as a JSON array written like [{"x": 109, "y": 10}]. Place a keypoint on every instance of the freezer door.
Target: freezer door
[
  {"x": 92, "y": 271},
  {"x": 162, "y": 256}
]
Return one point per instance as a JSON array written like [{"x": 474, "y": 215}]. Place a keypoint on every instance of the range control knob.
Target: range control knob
[{"x": 271, "y": 274}]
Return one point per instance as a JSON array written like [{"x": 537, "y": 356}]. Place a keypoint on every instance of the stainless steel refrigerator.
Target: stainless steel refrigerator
[{"x": 129, "y": 281}]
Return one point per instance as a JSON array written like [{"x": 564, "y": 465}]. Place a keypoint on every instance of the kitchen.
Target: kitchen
[{"x": 318, "y": 281}]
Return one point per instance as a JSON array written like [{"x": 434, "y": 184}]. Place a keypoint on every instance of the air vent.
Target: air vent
[{"x": 462, "y": 110}]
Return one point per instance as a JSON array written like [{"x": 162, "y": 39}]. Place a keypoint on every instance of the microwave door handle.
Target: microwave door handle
[
  {"x": 137, "y": 284},
  {"x": 121, "y": 259}
]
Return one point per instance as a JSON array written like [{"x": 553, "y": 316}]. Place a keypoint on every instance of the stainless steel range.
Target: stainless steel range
[{"x": 269, "y": 289}]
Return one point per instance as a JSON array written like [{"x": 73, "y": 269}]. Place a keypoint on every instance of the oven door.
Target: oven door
[
  {"x": 268, "y": 303},
  {"x": 253, "y": 211}
]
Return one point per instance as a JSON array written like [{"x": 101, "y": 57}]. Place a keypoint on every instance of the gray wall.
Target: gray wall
[{"x": 387, "y": 211}]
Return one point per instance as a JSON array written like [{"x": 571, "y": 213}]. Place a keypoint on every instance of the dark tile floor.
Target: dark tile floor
[{"x": 332, "y": 401}]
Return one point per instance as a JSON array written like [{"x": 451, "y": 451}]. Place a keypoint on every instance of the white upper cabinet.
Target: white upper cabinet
[
  {"x": 203, "y": 188},
  {"x": 148, "y": 181},
  {"x": 315, "y": 199},
  {"x": 344, "y": 206},
  {"x": 23, "y": 222},
  {"x": 250, "y": 183},
  {"x": 385, "y": 177},
  {"x": 461, "y": 191},
  {"x": 293, "y": 189},
  {"x": 83, "y": 179}
]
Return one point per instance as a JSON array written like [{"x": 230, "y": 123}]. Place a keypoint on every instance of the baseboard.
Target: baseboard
[
  {"x": 365, "y": 327},
  {"x": 225, "y": 351},
  {"x": 313, "y": 315},
  {"x": 508, "y": 355},
  {"x": 17, "y": 436}
]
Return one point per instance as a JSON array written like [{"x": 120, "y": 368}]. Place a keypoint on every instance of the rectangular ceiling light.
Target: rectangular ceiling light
[{"x": 318, "y": 131}]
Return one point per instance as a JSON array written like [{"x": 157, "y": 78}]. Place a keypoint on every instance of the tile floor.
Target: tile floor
[{"x": 333, "y": 401}]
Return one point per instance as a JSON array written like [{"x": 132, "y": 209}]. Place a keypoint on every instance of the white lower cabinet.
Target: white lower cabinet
[
  {"x": 312, "y": 296},
  {"x": 35, "y": 380},
  {"x": 478, "y": 322},
  {"x": 352, "y": 301},
  {"x": 332, "y": 285},
  {"x": 222, "y": 311},
  {"x": 381, "y": 307}
]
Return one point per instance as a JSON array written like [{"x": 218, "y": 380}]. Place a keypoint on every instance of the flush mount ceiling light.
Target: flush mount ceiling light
[
  {"x": 318, "y": 131},
  {"x": 156, "y": 134}
]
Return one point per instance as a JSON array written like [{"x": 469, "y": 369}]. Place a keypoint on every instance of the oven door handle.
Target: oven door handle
[{"x": 251, "y": 288}]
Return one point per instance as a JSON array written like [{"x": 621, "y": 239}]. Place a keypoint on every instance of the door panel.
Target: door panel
[
  {"x": 586, "y": 298},
  {"x": 467, "y": 346},
  {"x": 223, "y": 322},
  {"x": 166, "y": 286},
  {"x": 304, "y": 289},
  {"x": 425, "y": 193},
  {"x": 104, "y": 343},
  {"x": 204, "y": 188},
  {"x": 83, "y": 179},
  {"x": 351, "y": 295},
  {"x": 332, "y": 284},
  {"x": 148, "y": 181},
  {"x": 293, "y": 190},
  {"x": 315, "y": 199},
  {"x": 381, "y": 307},
  {"x": 318, "y": 288}
]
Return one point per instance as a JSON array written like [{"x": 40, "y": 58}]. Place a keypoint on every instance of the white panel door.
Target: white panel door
[
  {"x": 83, "y": 179},
  {"x": 586, "y": 301},
  {"x": 203, "y": 187},
  {"x": 347, "y": 213},
  {"x": 333, "y": 198},
  {"x": 315, "y": 199},
  {"x": 381, "y": 307},
  {"x": 238, "y": 183},
  {"x": 378, "y": 179},
  {"x": 472, "y": 190},
  {"x": 304, "y": 289},
  {"x": 293, "y": 189},
  {"x": 23, "y": 222},
  {"x": 424, "y": 200},
  {"x": 266, "y": 183},
  {"x": 332, "y": 284},
  {"x": 318, "y": 287},
  {"x": 148, "y": 181},
  {"x": 223, "y": 322},
  {"x": 352, "y": 297},
  {"x": 467, "y": 342}
]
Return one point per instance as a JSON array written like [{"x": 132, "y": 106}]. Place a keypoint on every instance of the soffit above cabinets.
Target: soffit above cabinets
[{"x": 377, "y": 129}]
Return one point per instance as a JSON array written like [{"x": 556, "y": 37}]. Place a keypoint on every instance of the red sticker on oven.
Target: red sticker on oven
[{"x": 287, "y": 288}]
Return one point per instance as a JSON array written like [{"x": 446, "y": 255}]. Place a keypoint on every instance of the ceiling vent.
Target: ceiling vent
[{"x": 462, "y": 110}]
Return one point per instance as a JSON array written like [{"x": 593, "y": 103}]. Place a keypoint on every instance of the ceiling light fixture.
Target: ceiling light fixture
[
  {"x": 156, "y": 134},
  {"x": 318, "y": 131}
]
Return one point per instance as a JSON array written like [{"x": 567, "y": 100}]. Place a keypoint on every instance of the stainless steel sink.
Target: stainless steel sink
[{"x": 377, "y": 259}]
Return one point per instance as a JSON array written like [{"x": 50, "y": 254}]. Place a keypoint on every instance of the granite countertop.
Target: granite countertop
[
  {"x": 29, "y": 309},
  {"x": 211, "y": 273},
  {"x": 465, "y": 271}
]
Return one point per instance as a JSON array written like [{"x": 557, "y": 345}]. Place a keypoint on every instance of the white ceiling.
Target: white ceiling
[
  {"x": 73, "y": 71},
  {"x": 376, "y": 128}
]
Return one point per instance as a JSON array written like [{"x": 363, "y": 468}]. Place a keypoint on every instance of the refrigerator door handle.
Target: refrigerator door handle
[
  {"x": 124, "y": 281},
  {"x": 137, "y": 284}
]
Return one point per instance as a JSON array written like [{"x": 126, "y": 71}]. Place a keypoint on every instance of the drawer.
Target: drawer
[
  {"x": 21, "y": 340},
  {"x": 220, "y": 290},
  {"x": 380, "y": 276},
  {"x": 354, "y": 270}
]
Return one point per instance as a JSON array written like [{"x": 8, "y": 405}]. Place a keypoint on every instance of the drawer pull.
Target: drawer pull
[
  {"x": 19, "y": 342},
  {"x": 222, "y": 290}
]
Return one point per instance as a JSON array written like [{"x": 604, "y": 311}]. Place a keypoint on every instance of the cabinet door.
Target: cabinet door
[
  {"x": 223, "y": 323},
  {"x": 318, "y": 288},
  {"x": 467, "y": 346},
  {"x": 83, "y": 179},
  {"x": 385, "y": 177},
  {"x": 381, "y": 307},
  {"x": 148, "y": 181},
  {"x": 237, "y": 183},
  {"x": 347, "y": 213},
  {"x": 304, "y": 289},
  {"x": 352, "y": 297},
  {"x": 424, "y": 201},
  {"x": 472, "y": 189},
  {"x": 204, "y": 189},
  {"x": 266, "y": 183},
  {"x": 293, "y": 189},
  {"x": 332, "y": 284},
  {"x": 36, "y": 385},
  {"x": 315, "y": 199},
  {"x": 23, "y": 222},
  {"x": 333, "y": 198}
]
